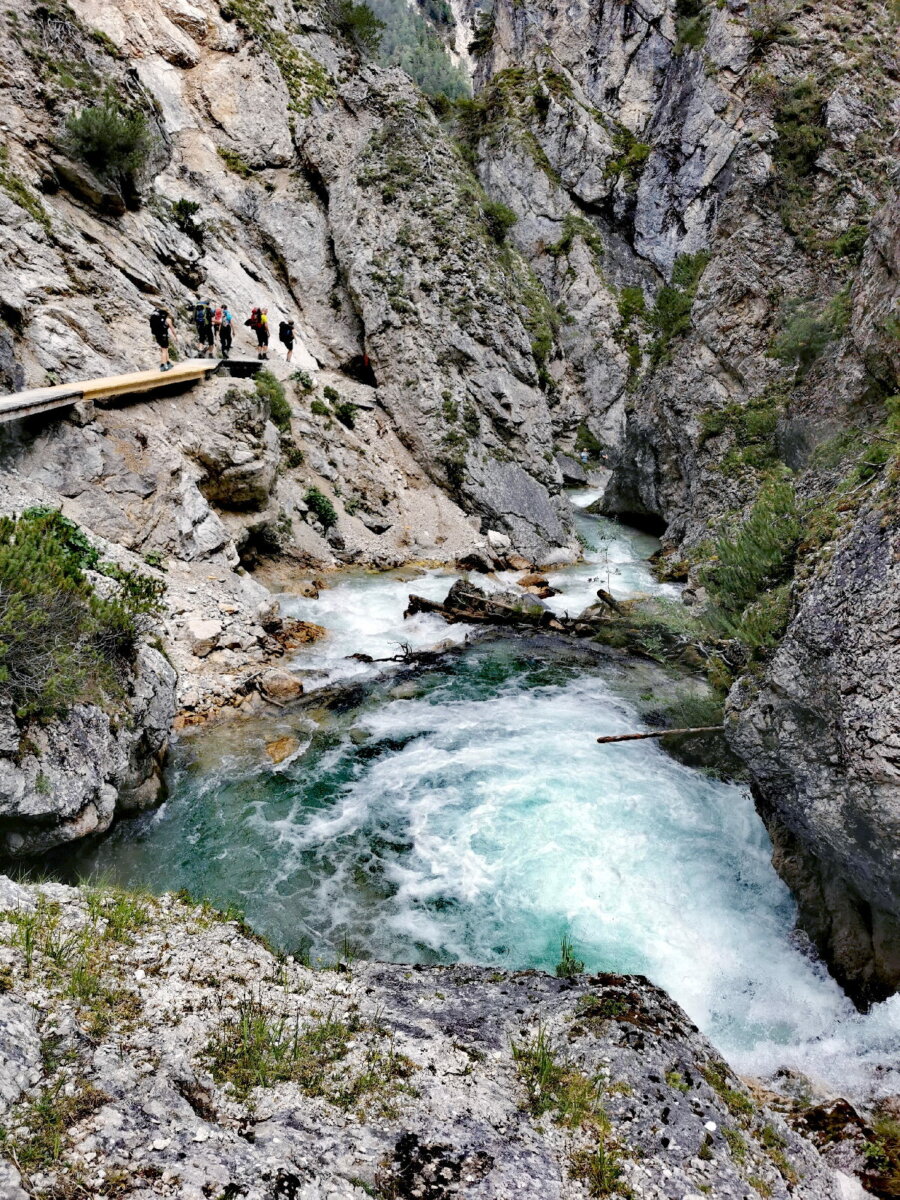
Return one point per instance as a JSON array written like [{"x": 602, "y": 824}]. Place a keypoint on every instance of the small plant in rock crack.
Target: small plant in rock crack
[
  {"x": 304, "y": 381},
  {"x": 183, "y": 214},
  {"x": 318, "y": 503},
  {"x": 568, "y": 966},
  {"x": 345, "y": 411}
]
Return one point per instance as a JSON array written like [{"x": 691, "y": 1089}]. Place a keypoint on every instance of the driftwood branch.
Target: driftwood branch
[
  {"x": 637, "y": 737},
  {"x": 495, "y": 613},
  {"x": 610, "y": 601}
]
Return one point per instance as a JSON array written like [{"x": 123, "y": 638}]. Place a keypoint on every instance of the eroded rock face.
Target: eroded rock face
[
  {"x": 820, "y": 736},
  {"x": 71, "y": 777},
  {"x": 303, "y": 210},
  {"x": 624, "y": 150},
  {"x": 414, "y": 1081}
]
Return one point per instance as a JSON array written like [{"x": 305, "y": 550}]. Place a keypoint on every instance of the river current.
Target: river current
[{"x": 470, "y": 815}]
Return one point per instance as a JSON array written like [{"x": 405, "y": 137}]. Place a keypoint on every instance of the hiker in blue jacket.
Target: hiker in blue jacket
[{"x": 226, "y": 330}]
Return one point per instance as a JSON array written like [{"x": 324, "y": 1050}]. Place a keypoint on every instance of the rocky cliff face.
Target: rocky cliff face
[
  {"x": 820, "y": 733},
  {"x": 696, "y": 188},
  {"x": 152, "y": 1049},
  {"x": 328, "y": 192}
]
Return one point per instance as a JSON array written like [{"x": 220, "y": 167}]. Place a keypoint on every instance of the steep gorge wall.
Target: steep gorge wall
[
  {"x": 326, "y": 190},
  {"x": 688, "y": 189},
  {"x": 660, "y": 236}
]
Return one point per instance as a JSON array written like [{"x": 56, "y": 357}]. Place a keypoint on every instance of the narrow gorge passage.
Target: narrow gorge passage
[{"x": 470, "y": 816}]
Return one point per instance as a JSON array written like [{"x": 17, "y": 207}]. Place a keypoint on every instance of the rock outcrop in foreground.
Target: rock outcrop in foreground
[
  {"x": 71, "y": 776},
  {"x": 153, "y": 1048}
]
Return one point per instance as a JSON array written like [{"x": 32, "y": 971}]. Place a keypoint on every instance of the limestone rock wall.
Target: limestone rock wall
[
  {"x": 326, "y": 191},
  {"x": 646, "y": 164},
  {"x": 820, "y": 735}
]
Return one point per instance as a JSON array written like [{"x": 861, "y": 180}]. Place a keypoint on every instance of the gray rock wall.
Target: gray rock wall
[
  {"x": 821, "y": 736},
  {"x": 567, "y": 94},
  {"x": 72, "y": 776}
]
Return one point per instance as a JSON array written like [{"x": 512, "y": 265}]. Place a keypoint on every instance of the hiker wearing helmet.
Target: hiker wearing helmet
[
  {"x": 226, "y": 332},
  {"x": 163, "y": 328},
  {"x": 203, "y": 320},
  {"x": 286, "y": 337}
]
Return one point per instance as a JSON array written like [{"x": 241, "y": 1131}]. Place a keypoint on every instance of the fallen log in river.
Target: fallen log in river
[{"x": 659, "y": 733}]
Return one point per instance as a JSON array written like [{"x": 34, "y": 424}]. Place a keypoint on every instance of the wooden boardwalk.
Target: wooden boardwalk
[{"x": 40, "y": 400}]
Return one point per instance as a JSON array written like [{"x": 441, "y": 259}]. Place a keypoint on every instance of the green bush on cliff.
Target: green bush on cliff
[
  {"x": 270, "y": 389},
  {"x": 319, "y": 504},
  {"x": 499, "y": 219},
  {"x": 748, "y": 579},
  {"x": 807, "y": 329},
  {"x": 671, "y": 315},
  {"x": 800, "y": 124},
  {"x": 61, "y": 642},
  {"x": 114, "y": 143},
  {"x": 632, "y": 156}
]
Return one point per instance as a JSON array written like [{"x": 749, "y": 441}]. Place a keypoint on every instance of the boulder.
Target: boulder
[
  {"x": 203, "y": 635},
  {"x": 498, "y": 541},
  {"x": 81, "y": 181},
  {"x": 71, "y": 776},
  {"x": 279, "y": 686},
  {"x": 299, "y": 633},
  {"x": 281, "y": 748},
  {"x": 573, "y": 472}
]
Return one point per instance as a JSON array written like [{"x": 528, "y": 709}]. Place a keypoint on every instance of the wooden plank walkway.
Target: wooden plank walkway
[{"x": 38, "y": 400}]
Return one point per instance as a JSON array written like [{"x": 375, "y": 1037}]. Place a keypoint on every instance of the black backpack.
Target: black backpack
[
  {"x": 202, "y": 315},
  {"x": 158, "y": 323},
  {"x": 285, "y": 332}
]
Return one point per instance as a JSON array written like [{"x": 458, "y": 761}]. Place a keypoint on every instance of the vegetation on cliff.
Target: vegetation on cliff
[{"x": 61, "y": 638}]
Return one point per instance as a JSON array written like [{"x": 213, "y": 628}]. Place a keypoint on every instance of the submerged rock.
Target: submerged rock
[{"x": 393, "y": 1080}]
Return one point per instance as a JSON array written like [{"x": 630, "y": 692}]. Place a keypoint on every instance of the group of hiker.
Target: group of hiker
[{"x": 214, "y": 324}]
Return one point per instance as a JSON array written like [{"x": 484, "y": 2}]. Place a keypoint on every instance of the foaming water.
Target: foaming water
[{"x": 474, "y": 817}]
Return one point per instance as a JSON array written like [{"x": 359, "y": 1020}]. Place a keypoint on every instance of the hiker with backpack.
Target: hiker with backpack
[
  {"x": 163, "y": 329},
  {"x": 226, "y": 330},
  {"x": 203, "y": 320},
  {"x": 259, "y": 323},
  {"x": 286, "y": 337}
]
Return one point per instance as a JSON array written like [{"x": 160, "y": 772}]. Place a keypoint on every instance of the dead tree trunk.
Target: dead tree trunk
[{"x": 658, "y": 733}]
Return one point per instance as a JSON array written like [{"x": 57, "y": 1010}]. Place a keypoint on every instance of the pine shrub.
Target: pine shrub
[
  {"x": 749, "y": 577},
  {"x": 499, "y": 219},
  {"x": 111, "y": 141}
]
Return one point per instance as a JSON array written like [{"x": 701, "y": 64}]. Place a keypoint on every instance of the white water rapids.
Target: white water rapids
[{"x": 472, "y": 816}]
